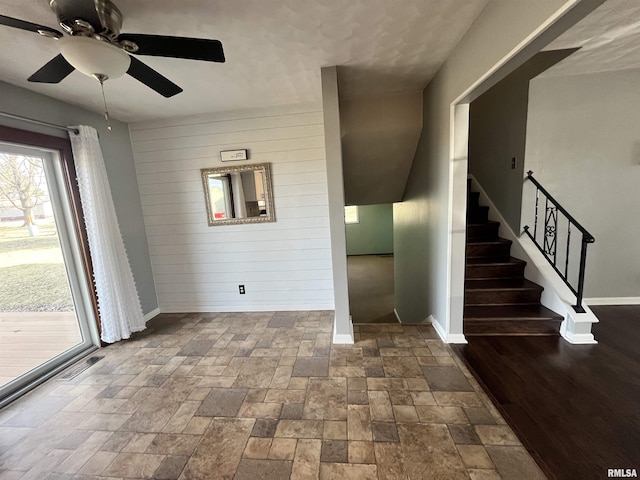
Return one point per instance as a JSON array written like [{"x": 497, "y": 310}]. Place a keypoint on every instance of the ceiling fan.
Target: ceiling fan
[{"x": 94, "y": 46}]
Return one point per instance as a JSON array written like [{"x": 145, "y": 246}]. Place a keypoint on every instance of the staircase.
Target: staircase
[{"x": 498, "y": 299}]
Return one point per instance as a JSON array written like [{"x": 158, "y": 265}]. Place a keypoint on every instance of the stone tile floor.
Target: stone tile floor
[{"x": 264, "y": 396}]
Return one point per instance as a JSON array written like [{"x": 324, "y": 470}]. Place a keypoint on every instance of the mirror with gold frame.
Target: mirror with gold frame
[{"x": 238, "y": 194}]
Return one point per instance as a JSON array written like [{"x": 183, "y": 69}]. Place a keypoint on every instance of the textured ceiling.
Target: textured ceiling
[
  {"x": 274, "y": 51},
  {"x": 609, "y": 37}
]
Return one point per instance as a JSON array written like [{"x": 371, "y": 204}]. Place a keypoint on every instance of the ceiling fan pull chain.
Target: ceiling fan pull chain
[{"x": 106, "y": 110}]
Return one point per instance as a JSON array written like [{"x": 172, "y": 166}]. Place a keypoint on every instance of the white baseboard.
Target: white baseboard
[
  {"x": 344, "y": 338},
  {"x": 245, "y": 308},
  {"x": 437, "y": 327},
  {"x": 613, "y": 301},
  {"x": 451, "y": 338},
  {"x": 458, "y": 338},
  {"x": 153, "y": 313},
  {"x": 395, "y": 312},
  {"x": 580, "y": 338}
]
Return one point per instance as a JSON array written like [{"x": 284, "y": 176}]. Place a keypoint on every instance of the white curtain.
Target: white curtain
[{"x": 118, "y": 302}]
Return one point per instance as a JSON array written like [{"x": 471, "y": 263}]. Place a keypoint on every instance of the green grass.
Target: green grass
[
  {"x": 37, "y": 287},
  {"x": 28, "y": 286},
  {"x": 17, "y": 238}
]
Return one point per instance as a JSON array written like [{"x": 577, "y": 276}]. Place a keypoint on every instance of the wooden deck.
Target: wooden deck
[{"x": 30, "y": 339}]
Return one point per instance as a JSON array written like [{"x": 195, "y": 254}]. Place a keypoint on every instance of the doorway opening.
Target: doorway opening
[{"x": 369, "y": 232}]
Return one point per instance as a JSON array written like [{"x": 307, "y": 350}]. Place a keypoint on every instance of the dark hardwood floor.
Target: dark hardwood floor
[{"x": 575, "y": 407}]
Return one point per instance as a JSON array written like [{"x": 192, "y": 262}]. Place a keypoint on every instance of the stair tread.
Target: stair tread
[
  {"x": 494, "y": 261},
  {"x": 511, "y": 334},
  {"x": 479, "y": 313},
  {"x": 488, "y": 222},
  {"x": 500, "y": 284},
  {"x": 484, "y": 241},
  {"x": 476, "y": 208}
]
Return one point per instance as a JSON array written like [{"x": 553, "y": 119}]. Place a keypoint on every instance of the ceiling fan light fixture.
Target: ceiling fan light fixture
[{"x": 94, "y": 57}]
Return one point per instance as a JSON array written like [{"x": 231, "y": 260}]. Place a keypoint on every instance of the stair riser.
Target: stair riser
[
  {"x": 485, "y": 231},
  {"x": 501, "y": 297},
  {"x": 478, "y": 215},
  {"x": 495, "y": 271},
  {"x": 473, "y": 199},
  {"x": 509, "y": 327},
  {"x": 500, "y": 250}
]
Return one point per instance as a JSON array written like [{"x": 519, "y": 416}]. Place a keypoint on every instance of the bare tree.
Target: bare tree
[{"x": 20, "y": 182}]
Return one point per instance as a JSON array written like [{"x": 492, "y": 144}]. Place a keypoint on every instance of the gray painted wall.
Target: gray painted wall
[
  {"x": 373, "y": 235},
  {"x": 583, "y": 145},
  {"x": 497, "y": 133},
  {"x": 116, "y": 148}
]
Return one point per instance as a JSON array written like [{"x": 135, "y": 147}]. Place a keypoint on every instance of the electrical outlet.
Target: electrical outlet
[
  {"x": 241, "y": 289},
  {"x": 514, "y": 161}
]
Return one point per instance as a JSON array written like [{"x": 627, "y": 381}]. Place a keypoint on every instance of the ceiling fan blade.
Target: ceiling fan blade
[
  {"x": 53, "y": 72},
  {"x": 176, "y": 47},
  {"x": 152, "y": 79},
  {"x": 31, "y": 27}
]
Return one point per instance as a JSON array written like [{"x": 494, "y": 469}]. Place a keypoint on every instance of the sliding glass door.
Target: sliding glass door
[{"x": 46, "y": 313}]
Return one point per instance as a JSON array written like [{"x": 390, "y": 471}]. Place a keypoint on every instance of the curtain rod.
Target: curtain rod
[{"x": 38, "y": 122}]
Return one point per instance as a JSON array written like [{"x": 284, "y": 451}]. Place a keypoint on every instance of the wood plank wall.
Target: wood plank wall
[{"x": 284, "y": 265}]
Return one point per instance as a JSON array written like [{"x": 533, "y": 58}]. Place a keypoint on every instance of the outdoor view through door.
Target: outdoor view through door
[{"x": 44, "y": 301}]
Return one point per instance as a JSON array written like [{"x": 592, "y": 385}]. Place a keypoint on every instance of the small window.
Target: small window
[{"x": 351, "y": 214}]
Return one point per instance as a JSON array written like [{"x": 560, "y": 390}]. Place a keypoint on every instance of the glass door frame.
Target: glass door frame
[{"x": 60, "y": 172}]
